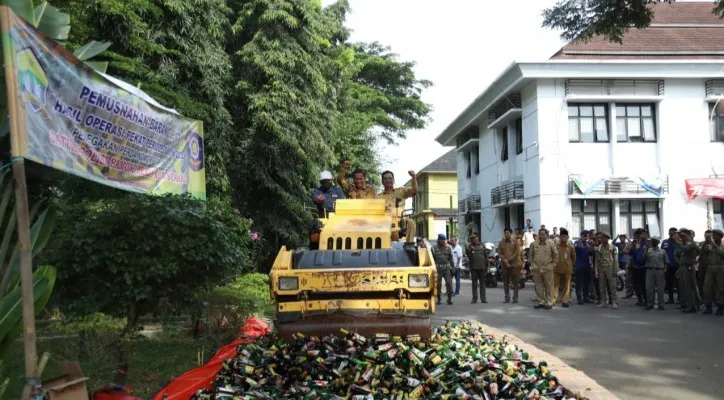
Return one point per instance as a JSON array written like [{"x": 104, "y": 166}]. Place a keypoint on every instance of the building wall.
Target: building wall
[
  {"x": 683, "y": 150},
  {"x": 434, "y": 191},
  {"x": 442, "y": 186}
]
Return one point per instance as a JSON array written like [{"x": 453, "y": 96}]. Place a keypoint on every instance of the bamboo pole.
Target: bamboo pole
[{"x": 21, "y": 198}]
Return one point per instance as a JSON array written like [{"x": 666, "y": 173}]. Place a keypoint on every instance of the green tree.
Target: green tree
[
  {"x": 582, "y": 20},
  {"x": 158, "y": 261}
]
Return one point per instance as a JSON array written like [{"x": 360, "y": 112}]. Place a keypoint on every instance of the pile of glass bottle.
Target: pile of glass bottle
[{"x": 460, "y": 361}]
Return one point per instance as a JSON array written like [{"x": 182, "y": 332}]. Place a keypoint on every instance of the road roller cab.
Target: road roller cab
[{"x": 357, "y": 277}]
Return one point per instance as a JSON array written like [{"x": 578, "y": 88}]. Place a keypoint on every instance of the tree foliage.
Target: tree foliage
[
  {"x": 127, "y": 267},
  {"x": 580, "y": 20}
]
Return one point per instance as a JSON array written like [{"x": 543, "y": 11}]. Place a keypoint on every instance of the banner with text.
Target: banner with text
[{"x": 74, "y": 119}]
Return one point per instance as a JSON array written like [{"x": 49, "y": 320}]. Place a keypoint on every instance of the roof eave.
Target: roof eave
[{"x": 507, "y": 79}]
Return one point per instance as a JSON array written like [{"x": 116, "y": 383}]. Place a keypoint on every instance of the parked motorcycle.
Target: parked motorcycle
[{"x": 465, "y": 269}]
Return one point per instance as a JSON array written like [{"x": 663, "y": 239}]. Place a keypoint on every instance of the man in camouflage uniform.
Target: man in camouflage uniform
[
  {"x": 478, "y": 263},
  {"x": 606, "y": 268},
  {"x": 512, "y": 264},
  {"x": 442, "y": 254},
  {"x": 687, "y": 251},
  {"x": 359, "y": 189},
  {"x": 703, "y": 262},
  {"x": 544, "y": 257},
  {"x": 714, "y": 282}
]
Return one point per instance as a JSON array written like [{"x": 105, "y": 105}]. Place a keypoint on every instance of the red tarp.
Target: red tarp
[
  {"x": 188, "y": 383},
  {"x": 711, "y": 187}
]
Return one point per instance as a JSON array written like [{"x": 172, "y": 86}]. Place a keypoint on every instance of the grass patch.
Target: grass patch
[{"x": 154, "y": 362}]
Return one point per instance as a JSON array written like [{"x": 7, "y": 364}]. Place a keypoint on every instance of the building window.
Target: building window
[
  {"x": 587, "y": 123},
  {"x": 477, "y": 160},
  {"x": 716, "y": 121},
  {"x": 468, "y": 163},
  {"x": 635, "y": 123},
  {"x": 591, "y": 214},
  {"x": 637, "y": 214},
  {"x": 504, "y": 150},
  {"x": 518, "y": 136}
]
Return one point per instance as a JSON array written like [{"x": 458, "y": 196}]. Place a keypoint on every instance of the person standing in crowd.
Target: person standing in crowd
[
  {"x": 511, "y": 262},
  {"x": 544, "y": 258},
  {"x": 528, "y": 239},
  {"x": 669, "y": 246},
  {"x": 457, "y": 262},
  {"x": 703, "y": 263},
  {"x": 443, "y": 256},
  {"x": 564, "y": 268},
  {"x": 583, "y": 268},
  {"x": 359, "y": 189},
  {"x": 325, "y": 195},
  {"x": 624, "y": 245},
  {"x": 714, "y": 283},
  {"x": 478, "y": 267},
  {"x": 594, "y": 239},
  {"x": 528, "y": 225},
  {"x": 638, "y": 266},
  {"x": 555, "y": 234},
  {"x": 606, "y": 268},
  {"x": 656, "y": 260},
  {"x": 687, "y": 251}
]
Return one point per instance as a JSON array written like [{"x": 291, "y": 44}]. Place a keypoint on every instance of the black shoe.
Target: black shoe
[
  {"x": 640, "y": 303},
  {"x": 566, "y": 305},
  {"x": 708, "y": 310},
  {"x": 474, "y": 301},
  {"x": 515, "y": 301},
  {"x": 581, "y": 302},
  {"x": 719, "y": 311},
  {"x": 439, "y": 301},
  {"x": 449, "y": 301},
  {"x": 689, "y": 311},
  {"x": 661, "y": 308},
  {"x": 670, "y": 300},
  {"x": 587, "y": 301},
  {"x": 506, "y": 301},
  {"x": 547, "y": 307},
  {"x": 538, "y": 306},
  {"x": 628, "y": 296},
  {"x": 483, "y": 301},
  {"x": 649, "y": 308}
]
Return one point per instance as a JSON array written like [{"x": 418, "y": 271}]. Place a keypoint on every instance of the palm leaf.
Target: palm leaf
[
  {"x": 100, "y": 66},
  {"x": 22, "y": 8},
  {"x": 53, "y": 22},
  {"x": 91, "y": 49}
]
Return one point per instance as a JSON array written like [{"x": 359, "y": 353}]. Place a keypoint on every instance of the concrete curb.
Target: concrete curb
[{"x": 572, "y": 379}]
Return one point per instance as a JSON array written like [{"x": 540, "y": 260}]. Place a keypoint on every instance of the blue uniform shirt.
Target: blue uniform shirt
[
  {"x": 638, "y": 259},
  {"x": 669, "y": 246},
  {"x": 330, "y": 196},
  {"x": 582, "y": 254}
]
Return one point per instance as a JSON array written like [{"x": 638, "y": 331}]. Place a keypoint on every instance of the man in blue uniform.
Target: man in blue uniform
[
  {"x": 583, "y": 268},
  {"x": 325, "y": 195},
  {"x": 669, "y": 246}
]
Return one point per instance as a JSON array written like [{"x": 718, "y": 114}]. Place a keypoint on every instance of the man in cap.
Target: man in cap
[
  {"x": 359, "y": 188},
  {"x": 510, "y": 258},
  {"x": 443, "y": 256},
  {"x": 703, "y": 262},
  {"x": 687, "y": 252},
  {"x": 478, "y": 267},
  {"x": 564, "y": 268},
  {"x": 606, "y": 268},
  {"x": 656, "y": 260},
  {"x": 544, "y": 258},
  {"x": 638, "y": 266},
  {"x": 714, "y": 282},
  {"x": 325, "y": 194}
]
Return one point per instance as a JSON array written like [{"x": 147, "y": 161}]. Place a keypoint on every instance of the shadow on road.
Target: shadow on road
[{"x": 636, "y": 354}]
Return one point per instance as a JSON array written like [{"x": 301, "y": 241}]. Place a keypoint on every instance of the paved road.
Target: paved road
[{"x": 635, "y": 354}]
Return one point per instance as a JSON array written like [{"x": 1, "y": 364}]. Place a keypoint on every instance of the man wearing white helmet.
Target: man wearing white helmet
[{"x": 325, "y": 195}]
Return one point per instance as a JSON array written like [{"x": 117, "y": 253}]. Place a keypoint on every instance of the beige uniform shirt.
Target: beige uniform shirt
[
  {"x": 352, "y": 192},
  {"x": 399, "y": 193},
  {"x": 544, "y": 256}
]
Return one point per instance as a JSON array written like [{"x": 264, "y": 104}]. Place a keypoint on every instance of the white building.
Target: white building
[{"x": 602, "y": 135}]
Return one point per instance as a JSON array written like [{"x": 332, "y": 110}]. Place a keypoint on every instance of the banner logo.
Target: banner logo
[
  {"x": 32, "y": 79},
  {"x": 196, "y": 152}
]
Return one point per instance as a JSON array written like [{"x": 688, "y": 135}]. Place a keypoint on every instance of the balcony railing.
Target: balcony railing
[
  {"x": 471, "y": 204},
  {"x": 470, "y": 134},
  {"x": 510, "y": 102},
  {"x": 509, "y": 193},
  {"x": 620, "y": 186}
]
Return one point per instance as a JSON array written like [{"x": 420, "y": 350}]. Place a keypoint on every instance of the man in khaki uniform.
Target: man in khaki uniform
[
  {"x": 687, "y": 251},
  {"x": 703, "y": 263},
  {"x": 478, "y": 268},
  {"x": 359, "y": 189},
  {"x": 564, "y": 268},
  {"x": 544, "y": 257},
  {"x": 714, "y": 282},
  {"x": 511, "y": 260},
  {"x": 395, "y": 201},
  {"x": 606, "y": 268}
]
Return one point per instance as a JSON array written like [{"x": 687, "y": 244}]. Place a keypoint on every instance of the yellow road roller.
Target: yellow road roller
[{"x": 355, "y": 275}]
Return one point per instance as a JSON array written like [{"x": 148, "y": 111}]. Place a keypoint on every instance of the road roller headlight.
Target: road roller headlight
[
  {"x": 418, "y": 280},
  {"x": 288, "y": 283}
]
